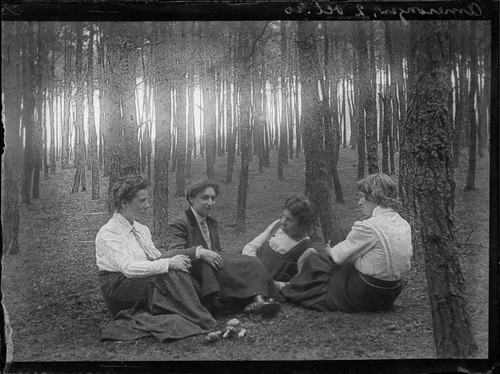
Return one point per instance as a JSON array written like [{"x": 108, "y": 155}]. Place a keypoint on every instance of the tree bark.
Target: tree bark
[
  {"x": 317, "y": 187},
  {"x": 94, "y": 159},
  {"x": 12, "y": 157},
  {"x": 369, "y": 92},
  {"x": 209, "y": 125},
  {"x": 79, "y": 178},
  {"x": 162, "y": 145},
  {"x": 428, "y": 189},
  {"x": 180, "y": 179},
  {"x": 245, "y": 130},
  {"x": 28, "y": 110},
  {"x": 471, "y": 173}
]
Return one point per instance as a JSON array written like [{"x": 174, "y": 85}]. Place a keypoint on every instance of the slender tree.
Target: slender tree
[
  {"x": 79, "y": 179},
  {"x": 94, "y": 160},
  {"x": 471, "y": 172}
]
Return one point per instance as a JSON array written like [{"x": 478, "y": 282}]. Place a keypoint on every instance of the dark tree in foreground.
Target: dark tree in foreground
[
  {"x": 317, "y": 168},
  {"x": 428, "y": 189},
  {"x": 13, "y": 147}
]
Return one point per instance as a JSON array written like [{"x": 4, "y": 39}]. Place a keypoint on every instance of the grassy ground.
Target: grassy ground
[{"x": 55, "y": 307}]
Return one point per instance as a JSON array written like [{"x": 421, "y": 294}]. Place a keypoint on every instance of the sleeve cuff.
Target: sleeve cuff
[{"x": 197, "y": 252}]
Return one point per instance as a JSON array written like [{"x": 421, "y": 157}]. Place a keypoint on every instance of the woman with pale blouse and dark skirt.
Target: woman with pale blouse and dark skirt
[
  {"x": 140, "y": 284},
  {"x": 363, "y": 272}
]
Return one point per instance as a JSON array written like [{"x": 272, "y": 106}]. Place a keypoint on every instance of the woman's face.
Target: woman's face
[
  {"x": 138, "y": 206},
  {"x": 204, "y": 201},
  {"x": 367, "y": 206},
  {"x": 291, "y": 225}
]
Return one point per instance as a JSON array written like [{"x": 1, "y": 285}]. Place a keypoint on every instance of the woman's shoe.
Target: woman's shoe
[{"x": 264, "y": 308}]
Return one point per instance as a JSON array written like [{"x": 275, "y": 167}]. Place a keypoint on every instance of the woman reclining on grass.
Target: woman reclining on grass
[
  {"x": 364, "y": 272},
  {"x": 285, "y": 244}
]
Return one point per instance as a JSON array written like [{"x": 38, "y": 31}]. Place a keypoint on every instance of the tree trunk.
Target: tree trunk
[
  {"x": 460, "y": 106},
  {"x": 180, "y": 179},
  {"x": 190, "y": 123},
  {"x": 28, "y": 110},
  {"x": 245, "y": 130},
  {"x": 471, "y": 173},
  {"x": 282, "y": 151},
  {"x": 369, "y": 98},
  {"x": 360, "y": 85},
  {"x": 39, "y": 110},
  {"x": 162, "y": 147},
  {"x": 209, "y": 125},
  {"x": 318, "y": 187},
  {"x": 231, "y": 146},
  {"x": 79, "y": 178},
  {"x": 428, "y": 189},
  {"x": 12, "y": 157},
  {"x": 67, "y": 101},
  {"x": 94, "y": 159}
]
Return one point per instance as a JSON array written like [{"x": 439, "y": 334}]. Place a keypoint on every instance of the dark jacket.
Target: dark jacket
[{"x": 184, "y": 235}]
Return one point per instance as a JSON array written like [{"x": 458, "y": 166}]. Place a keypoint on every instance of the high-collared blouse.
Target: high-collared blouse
[
  {"x": 279, "y": 242},
  {"x": 379, "y": 246},
  {"x": 118, "y": 249}
]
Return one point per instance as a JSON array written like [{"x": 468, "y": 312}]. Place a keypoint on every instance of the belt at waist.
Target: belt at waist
[{"x": 379, "y": 283}]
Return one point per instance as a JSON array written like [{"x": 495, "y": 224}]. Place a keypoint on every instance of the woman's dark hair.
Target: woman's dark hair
[
  {"x": 200, "y": 186},
  {"x": 125, "y": 189},
  {"x": 301, "y": 208},
  {"x": 380, "y": 189}
]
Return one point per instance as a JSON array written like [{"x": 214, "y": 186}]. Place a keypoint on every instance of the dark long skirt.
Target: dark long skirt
[
  {"x": 325, "y": 286},
  {"x": 232, "y": 287},
  {"x": 167, "y": 306}
]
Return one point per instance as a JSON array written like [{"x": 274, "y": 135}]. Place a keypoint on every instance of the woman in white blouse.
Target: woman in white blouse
[
  {"x": 133, "y": 272},
  {"x": 364, "y": 272}
]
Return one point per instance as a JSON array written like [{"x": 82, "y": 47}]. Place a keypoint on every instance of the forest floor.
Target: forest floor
[{"x": 55, "y": 308}]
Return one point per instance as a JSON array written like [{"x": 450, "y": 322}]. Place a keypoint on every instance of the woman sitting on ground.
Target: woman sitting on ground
[
  {"x": 364, "y": 272},
  {"x": 285, "y": 244},
  {"x": 134, "y": 274},
  {"x": 230, "y": 282}
]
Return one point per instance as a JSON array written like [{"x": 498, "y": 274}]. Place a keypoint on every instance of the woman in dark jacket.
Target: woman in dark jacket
[{"x": 230, "y": 282}]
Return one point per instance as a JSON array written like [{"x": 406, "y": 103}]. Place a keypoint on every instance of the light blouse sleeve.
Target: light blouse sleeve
[
  {"x": 251, "y": 248},
  {"x": 360, "y": 240},
  {"x": 117, "y": 250}
]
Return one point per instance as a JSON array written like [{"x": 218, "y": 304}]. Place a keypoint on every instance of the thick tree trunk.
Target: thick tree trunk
[
  {"x": 428, "y": 189},
  {"x": 163, "y": 114},
  {"x": 317, "y": 168},
  {"x": 12, "y": 157}
]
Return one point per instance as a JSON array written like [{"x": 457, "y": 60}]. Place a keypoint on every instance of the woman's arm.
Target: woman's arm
[
  {"x": 114, "y": 253},
  {"x": 251, "y": 248},
  {"x": 178, "y": 240},
  {"x": 360, "y": 240}
]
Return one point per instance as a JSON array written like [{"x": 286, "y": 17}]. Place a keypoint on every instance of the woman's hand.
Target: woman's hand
[
  {"x": 212, "y": 258},
  {"x": 180, "y": 262}
]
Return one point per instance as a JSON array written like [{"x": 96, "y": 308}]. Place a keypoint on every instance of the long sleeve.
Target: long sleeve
[
  {"x": 251, "y": 248},
  {"x": 359, "y": 241},
  {"x": 178, "y": 240},
  {"x": 115, "y": 251}
]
